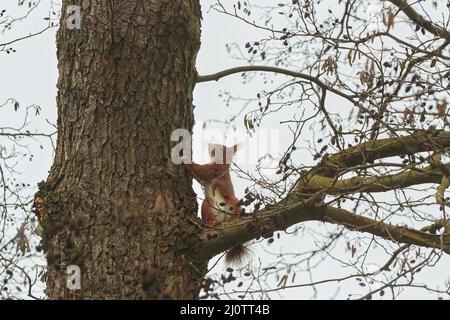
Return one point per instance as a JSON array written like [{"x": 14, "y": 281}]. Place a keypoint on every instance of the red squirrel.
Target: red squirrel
[{"x": 220, "y": 203}]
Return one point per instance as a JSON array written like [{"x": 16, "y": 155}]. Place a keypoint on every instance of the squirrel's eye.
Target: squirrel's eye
[{"x": 222, "y": 204}]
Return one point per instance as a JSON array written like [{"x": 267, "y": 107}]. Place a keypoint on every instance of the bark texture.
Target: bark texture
[{"x": 126, "y": 82}]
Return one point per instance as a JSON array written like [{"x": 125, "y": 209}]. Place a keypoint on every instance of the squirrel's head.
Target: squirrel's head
[{"x": 221, "y": 154}]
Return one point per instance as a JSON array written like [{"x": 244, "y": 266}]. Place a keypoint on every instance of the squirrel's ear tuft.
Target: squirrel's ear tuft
[
  {"x": 212, "y": 150},
  {"x": 236, "y": 147}
]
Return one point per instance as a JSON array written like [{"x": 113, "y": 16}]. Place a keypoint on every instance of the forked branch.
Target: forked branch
[{"x": 296, "y": 208}]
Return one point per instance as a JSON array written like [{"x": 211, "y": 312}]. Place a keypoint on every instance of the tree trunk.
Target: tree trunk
[{"x": 125, "y": 83}]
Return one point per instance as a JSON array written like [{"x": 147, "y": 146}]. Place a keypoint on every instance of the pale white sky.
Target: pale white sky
[{"x": 30, "y": 74}]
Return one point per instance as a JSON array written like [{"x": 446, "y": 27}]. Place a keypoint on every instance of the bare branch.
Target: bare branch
[
  {"x": 419, "y": 20},
  {"x": 219, "y": 75}
]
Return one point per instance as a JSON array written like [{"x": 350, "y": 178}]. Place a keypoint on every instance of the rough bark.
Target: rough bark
[{"x": 126, "y": 82}]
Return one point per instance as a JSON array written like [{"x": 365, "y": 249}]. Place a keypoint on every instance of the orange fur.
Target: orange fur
[
  {"x": 220, "y": 203},
  {"x": 207, "y": 213}
]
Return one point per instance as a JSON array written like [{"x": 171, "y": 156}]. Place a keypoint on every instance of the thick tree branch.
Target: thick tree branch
[
  {"x": 376, "y": 183},
  {"x": 387, "y": 231},
  {"x": 267, "y": 221},
  {"x": 281, "y": 217},
  {"x": 383, "y": 148},
  {"x": 420, "y": 20},
  {"x": 26, "y": 37}
]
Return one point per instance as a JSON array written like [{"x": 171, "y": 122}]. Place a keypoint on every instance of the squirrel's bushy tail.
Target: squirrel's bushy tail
[{"x": 237, "y": 255}]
